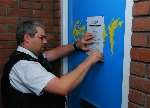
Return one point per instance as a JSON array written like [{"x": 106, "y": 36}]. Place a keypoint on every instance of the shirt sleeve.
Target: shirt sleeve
[{"x": 30, "y": 75}]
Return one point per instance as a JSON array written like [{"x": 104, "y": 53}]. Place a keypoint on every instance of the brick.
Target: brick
[
  {"x": 29, "y": 13},
  {"x": 19, "y": 12},
  {"x": 3, "y": 11},
  {"x": 49, "y": 28},
  {"x": 8, "y": 20},
  {"x": 141, "y": 24},
  {"x": 47, "y": 1},
  {"x": 140, "y": 54},
  {"x": 30, "y": 5},
  {"x": 54, "y": 38},
  {"x": 141, "y": 84},
  {"x": 10, "y": 27},
  {"x": 1, "y": 69},
  {"x": 148, "y": 70},
  {"x": 148, "y": 101},
  {"x": 7, "y": 37},
  {"x": 140, "y": 39},
  {"x": 5, "y": 53},
  {"x": 136, "y": 97},
  {"x": 25, "y": 18},
  {"x": 9, "y": 3},
  {"x": 43, "y": 0},
  {"x": 141, "y": 8},
  {"x": 56, "y": 6},
  {"x": 132, "y": 105},
  {"x": 56, "y": 29},
  {"x": 48, "y": 21},
  {"x": 2, "y": 30},
  {"x": 3, "y": 60},
  {"x": 57, "y": 14},
  {"x": 57, "y": 1},
  {"x": 53, "y": 44},
  {"x": 36, "y": 0},
  {"x": 7, "y": 28},
  {"x": 138, "y": 68},
  {"x": 43, "y": 14},
  {"x": 57, "y": 22},
  {"x": 149, "y": 40},
  {"x": 47, "y": 6},
  {"x": 7, "y": 44}
]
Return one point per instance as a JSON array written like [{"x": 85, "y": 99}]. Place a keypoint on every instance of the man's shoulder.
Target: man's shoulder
[{"x": 26, "y": 63}]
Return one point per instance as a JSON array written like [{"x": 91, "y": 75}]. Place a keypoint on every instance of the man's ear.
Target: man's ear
[{"x": 27, "y": 38}]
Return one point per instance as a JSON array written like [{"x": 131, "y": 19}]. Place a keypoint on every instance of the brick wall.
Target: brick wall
[
  {"x": 139, "y": 93},
  {"x": 56, "y": 32},
  {"x": 12, "y": 11}
]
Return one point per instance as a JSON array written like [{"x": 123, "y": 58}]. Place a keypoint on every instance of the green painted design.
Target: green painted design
[{"x": 78, "y": 30}]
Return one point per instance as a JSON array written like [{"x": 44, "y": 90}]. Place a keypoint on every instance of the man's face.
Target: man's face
[{"x": 39, "y": 40}]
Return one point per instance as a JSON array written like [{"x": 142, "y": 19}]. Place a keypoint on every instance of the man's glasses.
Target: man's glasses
[{"x": 43, "y": 37}]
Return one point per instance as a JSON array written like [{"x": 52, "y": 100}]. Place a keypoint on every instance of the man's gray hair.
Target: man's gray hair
[{"x": 27, "y": 27}]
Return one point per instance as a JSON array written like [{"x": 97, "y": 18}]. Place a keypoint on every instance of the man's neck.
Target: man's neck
[{"x": 30, "y": 49}]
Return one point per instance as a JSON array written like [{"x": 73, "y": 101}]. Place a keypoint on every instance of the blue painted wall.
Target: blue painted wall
[{"x": 103, "y": 84}]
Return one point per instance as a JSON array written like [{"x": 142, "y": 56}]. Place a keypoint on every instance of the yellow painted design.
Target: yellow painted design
[
  {"x": 112, "y": 27},
  {"x": 78, "y": 30}
]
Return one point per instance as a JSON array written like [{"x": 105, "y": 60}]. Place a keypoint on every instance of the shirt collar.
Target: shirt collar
[{"x": 21, "y": 49}]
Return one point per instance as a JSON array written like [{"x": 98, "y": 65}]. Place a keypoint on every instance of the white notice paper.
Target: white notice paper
[{"x": 95, "y": 26}]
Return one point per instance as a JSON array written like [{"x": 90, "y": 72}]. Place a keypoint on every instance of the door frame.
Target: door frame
[
  {"x": 127, "y": 58},
  {"x": 64, "y": 32}
]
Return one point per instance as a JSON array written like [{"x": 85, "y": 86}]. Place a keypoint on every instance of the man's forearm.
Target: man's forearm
[
  {"x": 72, "y": 79},
  {"x": 59, "y": 52}
]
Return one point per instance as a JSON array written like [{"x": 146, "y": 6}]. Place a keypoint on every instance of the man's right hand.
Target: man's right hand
[{"x": 95, "y": 57}]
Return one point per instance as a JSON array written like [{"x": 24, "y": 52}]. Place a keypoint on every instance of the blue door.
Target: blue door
[{"x": 102, "y": 86}]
